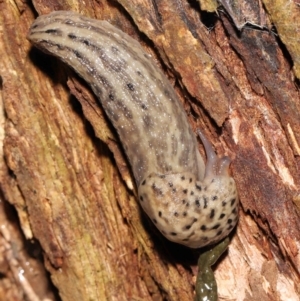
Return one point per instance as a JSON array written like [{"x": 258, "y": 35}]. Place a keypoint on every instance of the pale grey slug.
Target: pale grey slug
[{"x": 189, "y": 204}]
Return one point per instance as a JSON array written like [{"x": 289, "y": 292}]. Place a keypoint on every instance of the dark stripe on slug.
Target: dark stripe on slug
[
  {"x": 116, "y": 65},
  {"x": 69, "y": 22},
  {"x": 105, "y": 31},
  {"x": 72, "y": 36},
  {"x": 79, "y": 55},
  {"x": 89, "y": 69},
  {"x": 55, "y": 32}
]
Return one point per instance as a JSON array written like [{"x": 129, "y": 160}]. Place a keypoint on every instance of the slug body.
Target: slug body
[{"x": 190, "y": 204}]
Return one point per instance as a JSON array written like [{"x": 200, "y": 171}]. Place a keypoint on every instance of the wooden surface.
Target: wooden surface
[{"x": 72, "y": 188}]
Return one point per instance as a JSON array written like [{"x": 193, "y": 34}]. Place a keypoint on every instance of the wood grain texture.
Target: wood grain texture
[{"x": 236, "y": 85}]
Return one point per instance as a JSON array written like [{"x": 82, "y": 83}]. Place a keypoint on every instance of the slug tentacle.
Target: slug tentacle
[
  {"x": 189, "y": 204},
  {"x": 214, "y": 165}
]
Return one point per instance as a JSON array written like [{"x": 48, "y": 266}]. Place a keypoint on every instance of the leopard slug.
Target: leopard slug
[{"x": 190, "y": 203}]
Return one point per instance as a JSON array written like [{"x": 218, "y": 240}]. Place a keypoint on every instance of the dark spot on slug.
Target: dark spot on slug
[
  {"x": 144, "y": 182},
  {"x": 233, "y": 211},
  {"x": 162, "y": 176},
  {"x": 224, "y": 204},
  {"x": 130, "y": 86},
  {"x": 192, "y": 192},
  {"x": 232, "y": 202},
  {"x": 187, "y": 227},
  {"x": 141, "y": 198},
  {"x": 144, "y": 107},
  {"x": 214, "y": 198},
  {"x": 159, "y": 213},
  {"x": 220, "y": 232},
  {"x": 198, "y": 187},
  {"x": 114, "y": 49},
  {"x": 147, "y": 121},
  {"x": 212, "y": 213},
  {"x": 197, "y": 202},
  {"x": 205, "y": 202},
  {"x": 111, "y": 96},
  {"x": 184, "y": 214},
  {"x": 229, "y": 221},
  {"x": 183, "y": 201},
  {"x": 173, "y": 233},
  {"x": 154, "y": 221},
  {"x": 170, "y": 184},
  {"x": 215, "y": 227},
  {"x": 167, "y": 93},
  {"x": 174, "y": 190},
  {"x": 185, "y": 191},
  {"x": 187, "y": 204},
  {"x": 203, "y": 228},
  {"x": 183, "y": 178},
  {"x": 222, "y": 215},
  {"x": 176, "y": 214},
  {"x": 186, "y": 239},
  {"x": 191, "y": 180}
]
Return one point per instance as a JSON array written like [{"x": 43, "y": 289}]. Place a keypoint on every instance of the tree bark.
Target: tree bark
[{"x": 236, "y": 71}]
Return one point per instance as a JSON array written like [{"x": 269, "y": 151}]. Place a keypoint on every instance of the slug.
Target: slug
[{"x": 190, "y": 204}]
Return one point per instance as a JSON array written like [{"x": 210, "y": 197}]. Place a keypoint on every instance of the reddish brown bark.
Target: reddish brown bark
[{"x": 75, "y": 198}]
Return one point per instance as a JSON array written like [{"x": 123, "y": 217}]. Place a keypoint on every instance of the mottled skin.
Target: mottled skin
[{"x": 189, "y": 204}]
